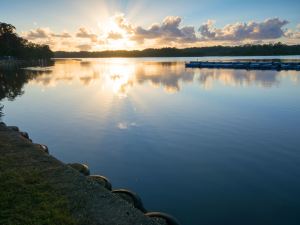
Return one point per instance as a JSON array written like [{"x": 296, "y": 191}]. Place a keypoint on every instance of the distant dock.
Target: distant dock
[{"x": 245, "y": 65}]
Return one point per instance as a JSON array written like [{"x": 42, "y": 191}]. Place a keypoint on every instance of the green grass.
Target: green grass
[{"x": 28, "y": 200}]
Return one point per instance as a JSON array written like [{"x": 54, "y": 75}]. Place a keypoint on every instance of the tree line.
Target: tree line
[
  {"x": 14, "y": 46},
  {"x": 244, "y": 50}
]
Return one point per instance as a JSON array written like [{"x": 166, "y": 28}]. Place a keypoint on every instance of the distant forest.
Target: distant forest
[
  {"x": 13, "y": 46},
  {"x": 244, "y": 50}
]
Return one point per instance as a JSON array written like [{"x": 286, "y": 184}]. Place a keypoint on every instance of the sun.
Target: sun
[{"x": 116, "y": 37}]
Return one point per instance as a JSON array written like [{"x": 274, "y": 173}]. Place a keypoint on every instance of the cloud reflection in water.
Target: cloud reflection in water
[{"x": 120, "y": 75}]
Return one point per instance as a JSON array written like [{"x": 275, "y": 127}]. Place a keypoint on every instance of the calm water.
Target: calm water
[{"x": 208, "y": 146}]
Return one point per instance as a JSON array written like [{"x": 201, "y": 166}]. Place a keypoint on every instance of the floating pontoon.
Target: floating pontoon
[{"x": 245, "y": 65}]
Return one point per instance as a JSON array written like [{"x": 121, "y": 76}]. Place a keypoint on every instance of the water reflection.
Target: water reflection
[
  {"x": 239, "y": 78},
  {"x": 119, "y": 75},
  {"x": 13, "y": 81},
  {"x": 227, "y": 141}
]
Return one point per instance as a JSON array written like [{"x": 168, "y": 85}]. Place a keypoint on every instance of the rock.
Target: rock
[
  {"x": 103, "y": 181},
  {"x": 82, "y": 168},
  {"x": 131, "y": 197},
  {"x": 24, "y": 134},
  {"x": 14, "y": 128},
  {"x": 168, "y": 218},
  {"x": 43, "y": 148}
]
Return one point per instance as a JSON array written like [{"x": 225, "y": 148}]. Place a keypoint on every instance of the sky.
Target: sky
[{"x": 95, "y": 25}]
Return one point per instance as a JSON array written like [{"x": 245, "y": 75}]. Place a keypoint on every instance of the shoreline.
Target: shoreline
[
  {"x": 44, "y": 188},
  {"x": 175, "y": 56},
  {"x": 19, "y": 63}
]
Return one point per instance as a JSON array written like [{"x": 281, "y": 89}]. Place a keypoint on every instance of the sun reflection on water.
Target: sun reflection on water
[{"x": 117, "y": 76}]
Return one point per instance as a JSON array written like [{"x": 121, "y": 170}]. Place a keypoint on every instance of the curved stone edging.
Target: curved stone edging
[{"x": 100, "y": 205}]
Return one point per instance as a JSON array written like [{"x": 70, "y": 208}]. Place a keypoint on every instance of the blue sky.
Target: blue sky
[
  {"x": 70, "y": 15},
  {"x": 51, "y": 13}
]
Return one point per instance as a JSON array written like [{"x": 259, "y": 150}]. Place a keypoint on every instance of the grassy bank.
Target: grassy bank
[
  {"x": 37, "y": 189},
  {"x": 25, "y": 198}
]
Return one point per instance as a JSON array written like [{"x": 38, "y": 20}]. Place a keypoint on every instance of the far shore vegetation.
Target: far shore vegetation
[
  {"x": 243, "y": 50},
  {"x": 12, "y": 46}
]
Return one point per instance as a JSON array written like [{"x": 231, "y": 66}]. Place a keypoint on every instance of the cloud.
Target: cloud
[
  {"x": 84, "y": 47},
  {"x": 293, "y": 34},
  {"x": 44, "y": 33},
  {"x": 85, "y": 33},
  {"x": 114, "y": 35},
  {"x": 38, "y": 33},
  {"x": 268, "y": 29},
  {"x": 122, "y": 23},
  {"x": 169, "y": 30},
  {"x": 62, "y": 35}
]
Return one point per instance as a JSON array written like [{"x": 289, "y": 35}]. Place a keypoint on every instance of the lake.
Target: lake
[{"x": 209, "y": 146}]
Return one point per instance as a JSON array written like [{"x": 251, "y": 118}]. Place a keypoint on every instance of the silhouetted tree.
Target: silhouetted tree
[{"x": 14, "y": 46}]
